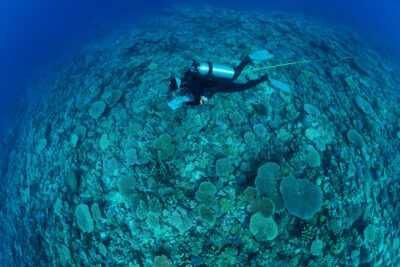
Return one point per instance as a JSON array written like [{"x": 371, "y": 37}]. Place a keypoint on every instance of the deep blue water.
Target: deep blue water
[{"x": 33, "y": 33}]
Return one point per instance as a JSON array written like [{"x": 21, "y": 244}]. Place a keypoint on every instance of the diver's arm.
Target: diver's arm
[
  {"x": 192, "y": 103},
  {"x": 196, "y": 92},
  {"x": 196, "y": 96}
]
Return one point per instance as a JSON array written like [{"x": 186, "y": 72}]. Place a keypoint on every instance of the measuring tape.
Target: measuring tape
[{"x": 293, "y": 63}]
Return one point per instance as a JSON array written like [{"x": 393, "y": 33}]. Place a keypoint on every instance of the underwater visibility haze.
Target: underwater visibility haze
[{"x": 212, "y": 133}]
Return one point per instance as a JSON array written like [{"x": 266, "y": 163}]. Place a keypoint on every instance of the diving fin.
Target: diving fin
[
  {"x": 280, "y": 85},
  {"x": 261, "y": 55}
]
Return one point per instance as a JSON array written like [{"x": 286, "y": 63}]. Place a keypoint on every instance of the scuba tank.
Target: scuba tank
[{"x": 213, "y": 70}]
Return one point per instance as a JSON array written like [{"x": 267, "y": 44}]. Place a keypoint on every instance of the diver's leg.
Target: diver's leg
[
  {"x": 238, "y": 87},
  {"x": 240, "y": 67}
]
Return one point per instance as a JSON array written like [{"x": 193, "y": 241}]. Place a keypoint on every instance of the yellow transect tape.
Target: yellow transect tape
[{"x": 293, "y": 63}]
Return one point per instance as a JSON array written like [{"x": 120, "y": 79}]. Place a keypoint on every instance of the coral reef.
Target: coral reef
[{"x": 101, "y": 172}]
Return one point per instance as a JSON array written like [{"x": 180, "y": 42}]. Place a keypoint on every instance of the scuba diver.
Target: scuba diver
[{"x": 202, "y": 80}]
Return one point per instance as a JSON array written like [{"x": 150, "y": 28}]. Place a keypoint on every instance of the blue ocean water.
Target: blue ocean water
[
  {"x": 97, "y": 170},
  {"x": 33, "y": 34}
]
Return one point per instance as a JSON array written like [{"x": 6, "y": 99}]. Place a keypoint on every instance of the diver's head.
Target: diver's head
[
  {"x": 195, "y": 66},
  {"x": 175, "y": 83}
]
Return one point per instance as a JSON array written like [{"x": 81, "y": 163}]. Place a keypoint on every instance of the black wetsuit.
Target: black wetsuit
[{"x": 199, "y": 85}]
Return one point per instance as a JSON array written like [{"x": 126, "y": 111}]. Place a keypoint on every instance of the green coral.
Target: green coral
[
  {"x": 164, "y": 146},
  {"x": 237, "y": 229},
  {"x": 163, "y": 261},
  {"x": 226, "y": 205},
  {"x": 306, "y": 72},
  {"x": 207, "y": 215},
  {"x": 228, "y": 257},
  {"x": 249, "y": 138},
  {"x": 338, "y": 246},
  {"x": 206, "y": 194},
  {"x": 350, "y": 82},
  {"x": 84, "y": 218},
  {"x": 369, "y": 233},
  {"x": 285, "y": 171},
  {"x": 223, "y": 167},
  {"x": 262, "y": 228}
]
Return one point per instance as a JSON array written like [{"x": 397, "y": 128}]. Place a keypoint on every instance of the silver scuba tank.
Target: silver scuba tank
[{"x": 214, "y": 70}]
